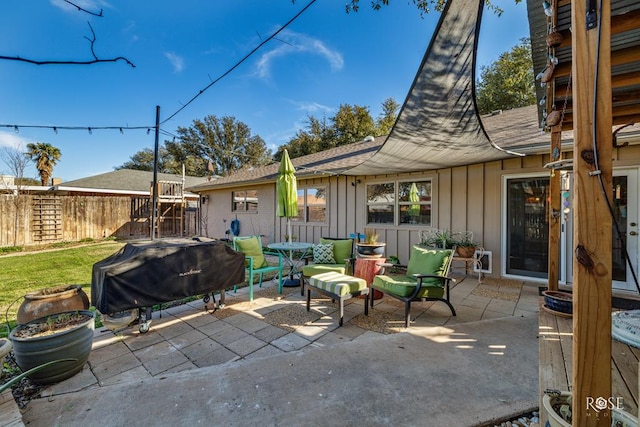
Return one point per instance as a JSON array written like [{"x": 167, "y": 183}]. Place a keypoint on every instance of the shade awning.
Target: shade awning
[{"x": 439, "y": 125}]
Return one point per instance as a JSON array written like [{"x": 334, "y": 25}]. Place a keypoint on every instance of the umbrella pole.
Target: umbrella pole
[{"x": 290, "y": 251}]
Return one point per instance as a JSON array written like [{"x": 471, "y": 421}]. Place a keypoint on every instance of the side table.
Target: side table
[{"x": 367, "y": 268}]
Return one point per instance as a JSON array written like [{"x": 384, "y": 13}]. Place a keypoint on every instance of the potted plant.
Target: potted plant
[
  {"x": 67, "y": 335},
  {"x": 442, "y": 239},
  {"x": 48, "y": 301},
  {"x": 370, "y": 248},
  {"x": 464, "y": 244}
]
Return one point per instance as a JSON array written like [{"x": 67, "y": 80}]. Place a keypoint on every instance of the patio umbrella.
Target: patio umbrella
[
  {"x": 287, "y": 191},
  {"x": 414, "y": 210}
]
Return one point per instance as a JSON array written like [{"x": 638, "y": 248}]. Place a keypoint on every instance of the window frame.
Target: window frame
[
  {"x": 245, "y": 201},
  {"x": 396, "y": 203},
  {"x": 305, "y": 204}
]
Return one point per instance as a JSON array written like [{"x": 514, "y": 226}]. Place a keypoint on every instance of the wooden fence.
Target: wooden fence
[{"x": 39, "y": 219}]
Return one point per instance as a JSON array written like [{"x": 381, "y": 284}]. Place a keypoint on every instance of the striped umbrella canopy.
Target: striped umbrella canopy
[{"x": 287, "y": 191}]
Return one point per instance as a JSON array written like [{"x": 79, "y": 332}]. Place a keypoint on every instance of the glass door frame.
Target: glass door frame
[{"x": 505, "y": 223}]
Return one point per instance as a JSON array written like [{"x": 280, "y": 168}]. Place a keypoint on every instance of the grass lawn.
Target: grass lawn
[{"x": 28, "y": 272}]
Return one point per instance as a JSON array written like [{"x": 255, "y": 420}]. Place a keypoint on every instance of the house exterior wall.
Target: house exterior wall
[
  {"x": 217, "y": 213},
  {"x": 464, "y": 198}
]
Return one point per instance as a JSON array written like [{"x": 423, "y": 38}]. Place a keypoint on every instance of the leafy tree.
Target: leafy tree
[
  {"x": 388, "y": 117},
  {"x": 224, "y": 143},
  {"x": 507, "y": 83},
  {"x": 424, "y": 6},
  {"x": 350, "y": 124},
  {"x": 45, "y": 157}
]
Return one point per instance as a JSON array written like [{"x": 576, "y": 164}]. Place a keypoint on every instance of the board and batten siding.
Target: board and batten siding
[{"x": 464, "y": 198}]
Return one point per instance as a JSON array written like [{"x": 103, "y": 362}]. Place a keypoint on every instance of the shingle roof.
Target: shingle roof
[
  {"x": 329, "y": 162},
  {"x": 127, "y": 180}
]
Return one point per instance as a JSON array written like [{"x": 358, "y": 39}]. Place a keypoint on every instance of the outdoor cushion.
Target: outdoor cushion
[
  {"x": 428, "y": 261},
  {"x": 336, "y": 283},
  {"x": 313, "y": 269},
  {"x": 342, "y": 249},
  {"x": 405, "y": 285},
  {"x": 323, "y": 253},
  {"x": 251, "y": 248}
]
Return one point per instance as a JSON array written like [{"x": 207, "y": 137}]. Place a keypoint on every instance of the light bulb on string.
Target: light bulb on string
[
  {"x": 16, "y": 130},
  {"x": 90, "y": 131},
  {"x": 55, "y": 130},
  {"x": 547, "y": 8},
  {"x": 121, "y": 131}
]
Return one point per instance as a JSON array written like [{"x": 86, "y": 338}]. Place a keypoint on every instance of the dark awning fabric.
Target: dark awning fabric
[{"x": 438, "y": 125}]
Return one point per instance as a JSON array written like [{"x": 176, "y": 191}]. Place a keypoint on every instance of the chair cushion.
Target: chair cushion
[
  {"x": 337, "y": 283},
  {"x": 323, "y": 253},
  {"x": 313, "y": 269},
  {"x": 342, "y": 249},
  {"x": 428, "y": 261},
  {"x": 404, "y": 286},
  {"x": 251, "y": 248}
]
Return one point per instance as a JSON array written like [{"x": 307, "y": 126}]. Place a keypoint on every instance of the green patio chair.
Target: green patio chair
[
  {"x": 256, "y": 261},
  {"x": 339, "y": 260},
  {"x": 426, "y": 279}
]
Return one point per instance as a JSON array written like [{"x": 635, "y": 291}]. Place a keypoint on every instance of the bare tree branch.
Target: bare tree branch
[
  {"x": 95, "y": 60},
  {"x": 92, "y": 42},
  {"x": 84, "y": 10}
]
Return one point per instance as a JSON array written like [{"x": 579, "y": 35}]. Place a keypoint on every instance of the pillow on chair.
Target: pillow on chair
[
  {"x": 251, "y": 247},
  {"x": 342, "y": 249},
  {"x": 429, "y": 261},
  {"x": 323, "y": 253}
]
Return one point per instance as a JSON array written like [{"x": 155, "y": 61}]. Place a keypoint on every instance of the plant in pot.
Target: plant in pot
[
  {"x": 443, "y": 239},
  {"x": 67, "y": 335},
  {"x": 465, "y": 246},
  {"x": 370, "y": 248}
]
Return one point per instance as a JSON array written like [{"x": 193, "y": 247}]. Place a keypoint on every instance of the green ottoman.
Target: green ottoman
[{"x": 339, "y": 287}]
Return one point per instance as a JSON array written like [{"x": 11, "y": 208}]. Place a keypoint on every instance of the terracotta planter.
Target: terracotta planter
[
  {"x": 370, "y": 250},
  {"x": 466, "y": 251},
  {"x": 48, "y": 301},
  {"x": 74, "y": 342}
]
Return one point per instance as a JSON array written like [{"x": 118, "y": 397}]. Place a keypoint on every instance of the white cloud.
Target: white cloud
[
  {"x": 176, "y": 61},
  {"x": 312, "y": 107},
  {"x": 13, "y": 140},
  {"x": 290, "y": 43}
]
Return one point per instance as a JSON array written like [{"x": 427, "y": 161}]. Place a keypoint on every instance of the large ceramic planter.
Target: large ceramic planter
[
  {"x": 48, "y": 301},
  {"x": 550, "y": 405},
  {"x": 31, "y": 350},
  {"x": 370, "y": 250}
]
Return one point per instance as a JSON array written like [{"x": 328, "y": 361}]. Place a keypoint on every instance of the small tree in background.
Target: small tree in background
[
  {"x": 45, "y": 157},
  {"x": 16, "y": 161},
  {"x": 507, "y": 83}
]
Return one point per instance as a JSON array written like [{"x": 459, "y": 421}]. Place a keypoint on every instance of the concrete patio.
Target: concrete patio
[{"x": 488, "y": 349}]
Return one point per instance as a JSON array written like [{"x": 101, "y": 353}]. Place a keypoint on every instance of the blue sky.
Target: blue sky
[{"x": 323, "y": 59}]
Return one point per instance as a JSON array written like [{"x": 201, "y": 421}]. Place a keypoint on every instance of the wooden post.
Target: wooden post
[{"x": 592, "y": 219}]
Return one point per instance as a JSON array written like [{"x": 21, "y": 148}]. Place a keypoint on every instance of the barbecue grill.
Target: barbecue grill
[{"x": 145, "y": 273}]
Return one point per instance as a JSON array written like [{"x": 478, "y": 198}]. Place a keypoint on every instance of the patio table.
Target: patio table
[{"x": 287, "y": 249}]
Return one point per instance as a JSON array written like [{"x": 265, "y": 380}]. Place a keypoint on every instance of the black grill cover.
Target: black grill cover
[{"x": 145, "y": 273}]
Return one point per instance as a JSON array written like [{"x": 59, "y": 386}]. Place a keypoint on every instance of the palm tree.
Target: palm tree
[{"x": 45, "y": 156}]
